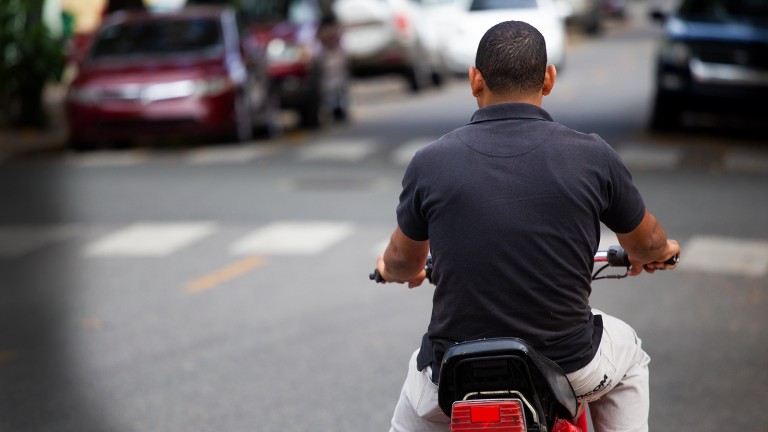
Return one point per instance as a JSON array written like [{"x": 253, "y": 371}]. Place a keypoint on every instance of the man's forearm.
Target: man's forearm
[
  {"x": 647, "y": 243},
  {"x": 404, "y": 258}
]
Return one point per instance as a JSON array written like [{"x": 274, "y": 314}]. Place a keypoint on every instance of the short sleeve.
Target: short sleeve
[
  {"x": 626, "y": 208},
  {"x": 410, "y": 217}
]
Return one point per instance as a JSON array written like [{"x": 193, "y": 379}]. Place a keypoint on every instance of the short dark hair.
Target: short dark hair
[{"x": 512, "y": 57}]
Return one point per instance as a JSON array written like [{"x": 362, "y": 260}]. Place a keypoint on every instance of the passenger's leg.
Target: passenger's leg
[{"x": 417, "y": 409}]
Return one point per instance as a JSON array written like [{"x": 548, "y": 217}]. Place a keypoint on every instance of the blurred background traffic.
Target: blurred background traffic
[
  {"x": 227, "y": 69},
  {"x": 193, "y": 196}
]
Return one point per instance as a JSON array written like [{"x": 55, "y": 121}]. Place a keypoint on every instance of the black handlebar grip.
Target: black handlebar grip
[
  {"x": 376, "y": 276},
  {"x": 617, "y": 257}
]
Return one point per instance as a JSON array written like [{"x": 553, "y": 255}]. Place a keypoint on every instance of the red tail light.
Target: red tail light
[
  {"x": 483, "y": 415},
  {"x": 565, "y": 426},
  {"x": 402, "y": 23}
]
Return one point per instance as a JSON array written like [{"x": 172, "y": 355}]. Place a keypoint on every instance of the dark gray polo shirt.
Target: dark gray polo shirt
[{"x": 511, "y": 204}]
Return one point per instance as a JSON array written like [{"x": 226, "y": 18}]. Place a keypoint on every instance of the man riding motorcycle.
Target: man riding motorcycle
[{"x": 494, "y": 198}]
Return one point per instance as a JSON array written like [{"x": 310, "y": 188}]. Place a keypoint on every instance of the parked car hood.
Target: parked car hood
[
  {"x": 149, "y": 71},
  {"x": 679, "y": 28}
]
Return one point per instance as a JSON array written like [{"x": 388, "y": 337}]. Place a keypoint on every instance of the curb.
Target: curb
[{"x": 15, "y": 143}]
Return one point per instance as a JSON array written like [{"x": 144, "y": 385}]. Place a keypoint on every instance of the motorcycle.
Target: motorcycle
[{"x": 505, "y": 385}]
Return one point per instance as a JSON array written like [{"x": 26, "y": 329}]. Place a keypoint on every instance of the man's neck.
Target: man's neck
[{"x": 488, "y": 98}]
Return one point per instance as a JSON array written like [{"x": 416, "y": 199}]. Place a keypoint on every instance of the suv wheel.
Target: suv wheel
[{"x": 667, "y": 110}]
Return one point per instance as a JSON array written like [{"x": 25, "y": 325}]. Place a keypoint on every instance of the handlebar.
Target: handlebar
[{"x": 614, "y": 256}]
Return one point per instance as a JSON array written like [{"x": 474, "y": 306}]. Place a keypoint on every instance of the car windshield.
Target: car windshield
[
  {"x": 725, "y": 10},
  {"x": 158, "y": 37},
  {"x": 268, "y": 10},
  {"x": 478, "y": 5}
]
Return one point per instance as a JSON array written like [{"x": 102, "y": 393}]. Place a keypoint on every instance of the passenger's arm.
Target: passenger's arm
[
  {"x": 404, "y": 260},
  {"x": 648, "y": 246}
]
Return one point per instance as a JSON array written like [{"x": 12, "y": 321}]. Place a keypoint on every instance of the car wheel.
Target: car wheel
[
  {"x": 270, "y": 124},
  {"x": 419, "y": 75},
  {"x": 243, "y": 120},
  {"x": 667, "y": 110}
]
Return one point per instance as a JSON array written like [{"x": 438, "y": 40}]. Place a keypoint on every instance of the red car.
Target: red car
[
  {"x": 183, "y": 73},
  {"x": 306, "y": 59}
]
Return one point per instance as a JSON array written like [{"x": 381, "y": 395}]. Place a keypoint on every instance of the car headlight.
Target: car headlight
[
  {"x": 674, "y": 53},
  {"x": 280, "y": 51},
  {"x": 213, "y": 86},
  {"x": 84, "y": 95}
]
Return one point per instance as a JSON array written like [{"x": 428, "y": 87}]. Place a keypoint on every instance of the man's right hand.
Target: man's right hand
[{"x": 637, "y": 267}]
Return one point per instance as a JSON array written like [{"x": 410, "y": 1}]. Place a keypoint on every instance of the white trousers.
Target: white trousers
[{"x": 615, "y": 383}]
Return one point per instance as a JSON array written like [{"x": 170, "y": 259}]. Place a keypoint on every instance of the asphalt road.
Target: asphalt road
[{"x": 225, "y": 287}]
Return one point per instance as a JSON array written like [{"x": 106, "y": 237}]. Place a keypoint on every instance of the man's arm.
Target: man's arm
[
  {"x": 404, "y": 260},
  {"x": 648, "y": 246}
]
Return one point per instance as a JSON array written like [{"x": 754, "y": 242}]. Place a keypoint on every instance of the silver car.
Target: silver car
[{"x": 386, "y": 37}]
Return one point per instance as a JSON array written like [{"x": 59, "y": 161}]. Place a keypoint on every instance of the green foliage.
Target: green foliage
[{"x": 29, "y": 58}]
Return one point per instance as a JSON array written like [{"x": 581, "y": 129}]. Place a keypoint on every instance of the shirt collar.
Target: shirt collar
[{"x": 511, "y": 110}]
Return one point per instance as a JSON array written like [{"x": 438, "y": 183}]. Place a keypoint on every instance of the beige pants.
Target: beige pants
[{"x": 615, "y": 384}]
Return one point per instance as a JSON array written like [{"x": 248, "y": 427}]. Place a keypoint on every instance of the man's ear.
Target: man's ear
[
  {"x": 549, "y": 80},
  {"x": 476, "y": 81}
]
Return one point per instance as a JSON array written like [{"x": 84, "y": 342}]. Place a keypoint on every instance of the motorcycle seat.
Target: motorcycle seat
[{"x": 504, "y": 364}]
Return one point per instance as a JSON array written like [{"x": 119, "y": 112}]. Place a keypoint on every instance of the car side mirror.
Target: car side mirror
[{"x": 658, "y": 15}]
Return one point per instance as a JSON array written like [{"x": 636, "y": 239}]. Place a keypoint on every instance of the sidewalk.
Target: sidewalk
[{"x": 16, "y": 143}]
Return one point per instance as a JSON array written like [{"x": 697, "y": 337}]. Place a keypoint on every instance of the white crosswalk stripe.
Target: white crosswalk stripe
[
  {"x": 726, "y": 255},
  {"x": 150, "y": 239},
  {"x": 337, "y": 150},
  {"x": 292, "y": 238}
]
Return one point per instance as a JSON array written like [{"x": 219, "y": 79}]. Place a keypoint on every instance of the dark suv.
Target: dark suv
[
  {"x": 714, "y": 55},
  {"x": 306, "y": 60}
]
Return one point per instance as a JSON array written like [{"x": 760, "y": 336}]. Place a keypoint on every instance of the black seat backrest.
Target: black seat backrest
[{"x": 506, "y": 364}]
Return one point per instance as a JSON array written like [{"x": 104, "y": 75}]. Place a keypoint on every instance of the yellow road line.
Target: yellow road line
[
  {"x": 7, "y": 356},
  {"x": 225, "y": 274}
]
